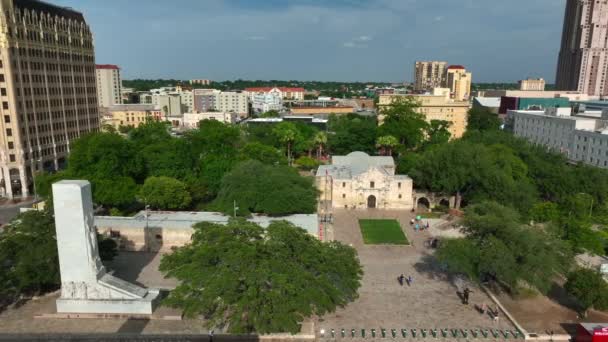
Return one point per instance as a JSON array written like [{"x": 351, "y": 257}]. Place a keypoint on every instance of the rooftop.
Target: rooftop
[
  {"x": 186, "y": 219},
  {"x": 41, "y": 6},
  {"x": 354, "y": 164},
  {"x": 107, "y": 66},
  {"x": 267, "y": 89},
  {"x": 452, "y": 67},
  {"x": 128, "y": 107},
  {"x": 488, "y": 101}
]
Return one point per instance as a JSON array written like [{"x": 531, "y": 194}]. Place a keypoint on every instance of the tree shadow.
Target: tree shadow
[
  {"x": 558, "y": 294},
  {"x": 432, "y": 269}
]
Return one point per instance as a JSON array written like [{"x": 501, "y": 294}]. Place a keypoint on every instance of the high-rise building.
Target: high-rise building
[
  {"x": 583, "y": 57},
  {"x": 459, "y": 81},
  {"x": 429, "y": 75},
  {"x": 47, "y": 89},
  {"x": 108, "y": 85},
  {"x": 532, "y": 84}
]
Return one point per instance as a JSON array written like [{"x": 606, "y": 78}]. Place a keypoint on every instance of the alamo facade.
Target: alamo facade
[{"x": 360, "y": 181}]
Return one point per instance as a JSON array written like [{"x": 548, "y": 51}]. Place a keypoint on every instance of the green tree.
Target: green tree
[
  {"x": 351, "y": 133},
  {"x": 165, "y": 193},
  {"x": 118, "y": 192},
  {"x": 510, "y": 252},
  {"x": 386, "y": 144},
  {"x": 544, "y": 212},
  {"x": 403, "y": 120},
  {"x": 104, "y": 156},
  {"x": 287, "y": 133},
  {"x": 264, "y": 153},
  {"x": 171, "y": 158},
  {"x": 270, "y": 114},
  {"x": 28, "y": 255},
  {"x": 437, "y": 132},
  {"x": 482, "y": 119},
  {"x": 589, "y": 288},
  {"x": 320, "y": 140},
  {"x": 256, "y": 280},
  {"x": 307, "y": 163},
  {"x": 268, "y": 189}
]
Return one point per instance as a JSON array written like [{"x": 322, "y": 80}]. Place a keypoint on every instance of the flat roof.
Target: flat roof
[{"x": 186, "y": 219}]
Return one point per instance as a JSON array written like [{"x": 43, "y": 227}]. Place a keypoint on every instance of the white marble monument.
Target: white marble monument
[{"x": 85, "y": 285}]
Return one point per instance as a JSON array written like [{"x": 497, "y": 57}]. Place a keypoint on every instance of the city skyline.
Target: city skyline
[{"x": 376, "y": 40}]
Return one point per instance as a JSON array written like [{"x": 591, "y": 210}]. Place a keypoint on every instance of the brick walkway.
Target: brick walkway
[{"x": 431, "y": 301}]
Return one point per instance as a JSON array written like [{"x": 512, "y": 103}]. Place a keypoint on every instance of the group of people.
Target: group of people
[
  {"x": 483, "y": 309},
  {"x": 418, "y": 225},
  {"x": 401, "y": 279}
]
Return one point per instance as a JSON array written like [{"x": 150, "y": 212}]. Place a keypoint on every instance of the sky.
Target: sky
[{"x": 325, "y": 40}]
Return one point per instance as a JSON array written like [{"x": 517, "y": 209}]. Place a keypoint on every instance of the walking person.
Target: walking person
[
  {"x": 496, "y": 312},
  {"x": 409, "y": 280},
  {"x": 400, "y": 279},
  {"x": 466, "y": 296}
]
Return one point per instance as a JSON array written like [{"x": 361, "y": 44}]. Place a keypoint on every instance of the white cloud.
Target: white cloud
[
  {"x": 439, "y": 18},
  {"x": 365, "y": 38}
]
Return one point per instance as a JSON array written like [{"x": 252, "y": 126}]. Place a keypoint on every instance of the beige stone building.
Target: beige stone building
[
  {"x": 192, "y": 120},
  {"x": 429, "y": 75},
  {"x": 532, "y": 84},
  {"x": 47, "y": 89},
  {"x": 438, "y": 106},
  {"x": 583, "y": 57},
  {"x": 359, "y": 181},
  {"x": 458, "y": 80},
  {"x": 130, "y": 115},
  {"x": 109, "y": 84}
]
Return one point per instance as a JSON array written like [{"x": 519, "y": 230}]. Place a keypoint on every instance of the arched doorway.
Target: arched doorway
[
  {"x": 371, "y": 201},
  {"x": 423, "y": 204},
  {"x": 444, "y": 203}
]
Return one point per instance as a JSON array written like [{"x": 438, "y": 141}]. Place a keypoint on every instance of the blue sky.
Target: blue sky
[{"x": 342, "y": 40}]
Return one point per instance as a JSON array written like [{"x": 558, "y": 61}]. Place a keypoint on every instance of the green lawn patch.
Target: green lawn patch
[{"x": 382, "y": 232}]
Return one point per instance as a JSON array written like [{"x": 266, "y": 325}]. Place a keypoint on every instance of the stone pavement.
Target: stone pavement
[{"x": 431, "y": 301}]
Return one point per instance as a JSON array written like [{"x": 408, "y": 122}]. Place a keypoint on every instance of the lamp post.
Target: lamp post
[
  {"x": 147, "y": 214},
  {"x": 235, "y": 208},
  {"x": 34, "y": 181}
]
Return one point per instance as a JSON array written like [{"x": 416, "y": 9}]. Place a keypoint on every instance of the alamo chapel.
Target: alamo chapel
[{"x": 358, "y": 181}]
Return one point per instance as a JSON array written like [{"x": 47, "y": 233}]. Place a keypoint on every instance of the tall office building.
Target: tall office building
[
  {"x": 429, "y": 75},
  {"x": 583, "y": 58},
  {"x": 459, "y": 81},
  {"x": 108, "y": 85},
  {"x": 47, "y": 89}
]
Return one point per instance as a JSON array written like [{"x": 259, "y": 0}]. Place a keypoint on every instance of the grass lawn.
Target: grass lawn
[{"x": 382, "y": 232}]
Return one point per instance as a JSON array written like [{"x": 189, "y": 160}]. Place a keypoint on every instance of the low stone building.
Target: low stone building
[
  {"x": 359, "y": 181},
  {"x": 163, "y": 230}
]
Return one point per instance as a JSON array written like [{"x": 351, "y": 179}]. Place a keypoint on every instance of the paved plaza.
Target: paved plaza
[{"x": 431, "y": 301}]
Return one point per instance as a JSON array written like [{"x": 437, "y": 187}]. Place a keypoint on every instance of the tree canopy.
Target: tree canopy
[
  {"x": 498, "y": 246},
  {"x": 248, "y": 279},
  {"x": 268, "y": 189},
  {"x": 403, "y": 120},
  {"x": 589, "y": 288},
  {"x": 165, "y": 193}
]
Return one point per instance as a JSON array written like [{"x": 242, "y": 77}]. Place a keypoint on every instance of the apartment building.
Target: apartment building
[
  {"x": 192, "y": 120},
  {"x": 583, "y": 57},
  {"x": 47, "y": 89},
  {"x": 285, "y": 93},
  {"x": 532, "y": 84},
  {"x": 438, "y": 106},
  {"x": 429, "y": 75},
  {"x": 130, "y": 115},
  {"x": 580, "y": 137},
  {"x": 458, "y": 80},
  {"x": 109, "y": 85},
  {"x": 206, "y": 100},
  {"x": 264, "y": 102}
]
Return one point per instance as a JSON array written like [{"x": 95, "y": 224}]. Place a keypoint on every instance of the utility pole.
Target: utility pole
[{"x": 235, "y": 208}]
